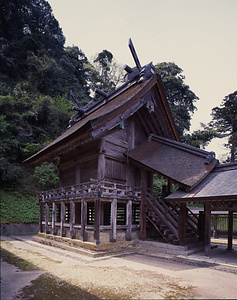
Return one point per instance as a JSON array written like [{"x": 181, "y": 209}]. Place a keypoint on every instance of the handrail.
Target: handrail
[{"x": 89, "y": 189}]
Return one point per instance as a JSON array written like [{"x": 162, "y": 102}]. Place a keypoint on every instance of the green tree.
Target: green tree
[
  {"x": 105, "y": 73},
  {"x": 181, "y": 99},
  {"x": 46, "y": 176},
  {"x": 200, "y": 138},
  {"x": 224, "y": 120}
]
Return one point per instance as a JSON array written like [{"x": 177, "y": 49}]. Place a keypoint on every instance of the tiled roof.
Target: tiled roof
[
  {"x": 220, "y": 184},
  {"x": 181, "y": 163}
]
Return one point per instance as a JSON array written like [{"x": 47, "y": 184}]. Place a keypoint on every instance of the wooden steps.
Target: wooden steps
[{"x": 164, "y": 217}]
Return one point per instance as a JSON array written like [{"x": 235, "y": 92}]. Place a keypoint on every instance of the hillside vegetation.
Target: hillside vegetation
[{"x": 36, "y": 76}]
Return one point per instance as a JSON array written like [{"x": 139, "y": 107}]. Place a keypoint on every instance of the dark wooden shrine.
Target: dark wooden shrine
[{"x": 107, "y": 160}]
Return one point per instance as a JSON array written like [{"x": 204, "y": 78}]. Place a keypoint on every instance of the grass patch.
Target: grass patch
[
  {"x": 49, "y": 287},
  {"x": 20, "y": 263}
]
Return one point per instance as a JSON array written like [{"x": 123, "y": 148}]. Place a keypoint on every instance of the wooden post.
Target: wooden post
[
  {"x": 143, "y": 204},
  {"x": 230, "y": 230},
  {"x": 83, "y": 220},
  {"x": 101, "y": 161},
  {"x": 201, "y": 226},
  {"x": 207, "y": 233},
  {"x": 62, "y": 233},
  {"x": 182, "y": 224},
  {"x": 78, "y": 174},
  {"x": 113, "y": 236},
  {"x": 72, "y": 219},
  {"x": 97, "y": 220},
  {"x": 54, "y": 215},
  {"x": 215, "y": 226},
  {"x": 41, "y": 214},
  {"x": 129, "y": 220},
  {"x": 47, "y": 218}
]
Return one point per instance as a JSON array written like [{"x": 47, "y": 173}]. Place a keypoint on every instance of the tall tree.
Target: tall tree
[
  {"x": 105, "y": 73},
  {"x": 224, "y": 120},
  {"x": 181, "y": 99}
]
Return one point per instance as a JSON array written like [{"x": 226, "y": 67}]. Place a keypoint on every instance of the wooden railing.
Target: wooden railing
[{"x": 103, "y": 188}]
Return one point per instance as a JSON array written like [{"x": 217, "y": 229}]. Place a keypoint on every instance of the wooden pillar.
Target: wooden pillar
[
  {"x": 78, "y": 174},
  {"x": 182, "y": 224},
  {"x": 215, "y": 226},
  {"x": 101, "y": 161},
  {"x": 97, "y": 220},
  {"x": 143, "y": 204},
  {"x": 207, "y": 233},
  {"x": 113, "y": 236},
  {"x": 62, "y": 233},
  {"x": 41, "y": 214},
  {"x": 83, "y": 220},
  {"x": 201, "y": 226},
  {"x": 129, "y": 220},
  {"x": 54, "y": 215},
  {"x": 72, "y": 219},
  {"x": 47, "y": 218},
  {"x": 230, "y": 230}
]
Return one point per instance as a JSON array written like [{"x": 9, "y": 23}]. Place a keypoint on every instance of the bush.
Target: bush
[
  {"x": 46, "y": 176},
  {"x": 16, "y": 208}
]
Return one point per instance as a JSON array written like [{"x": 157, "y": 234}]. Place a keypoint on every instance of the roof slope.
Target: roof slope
[
  {"x": 107, "y": 114},
  {"x": 181, "y": 163},
  {"x": 220, "y": 184}
]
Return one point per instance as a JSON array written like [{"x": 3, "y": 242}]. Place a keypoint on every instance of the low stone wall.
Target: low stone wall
[{"x": 19, "y": 229}]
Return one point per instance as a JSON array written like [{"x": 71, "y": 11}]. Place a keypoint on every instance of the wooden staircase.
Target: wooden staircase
[{"x": 164, "y": 217}]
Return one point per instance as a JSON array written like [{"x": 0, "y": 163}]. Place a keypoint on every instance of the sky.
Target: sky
[{"x": 200, "y": 36}]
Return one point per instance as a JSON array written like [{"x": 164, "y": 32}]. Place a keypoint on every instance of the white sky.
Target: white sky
[{"x": 200, "y": 36}]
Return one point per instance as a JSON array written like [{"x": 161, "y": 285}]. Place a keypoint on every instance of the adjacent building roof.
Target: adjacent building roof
[
  {"x": 181, "y": 163},
  {"x": 219, "y": 185}
]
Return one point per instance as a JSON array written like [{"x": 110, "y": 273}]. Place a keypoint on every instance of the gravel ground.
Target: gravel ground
[{"x": 131, "y": 276}]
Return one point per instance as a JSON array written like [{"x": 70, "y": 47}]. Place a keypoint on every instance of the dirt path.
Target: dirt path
[{"x": 130, "y": 276}]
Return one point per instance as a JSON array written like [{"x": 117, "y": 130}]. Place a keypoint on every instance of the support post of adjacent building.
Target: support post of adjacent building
[
  {"x": 182, "y": 224},
  {"x": 230, "y": 230},
  {"x": 207, "y": 233}
]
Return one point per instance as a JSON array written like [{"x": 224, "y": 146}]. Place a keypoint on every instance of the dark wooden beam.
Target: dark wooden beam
[
  {"x": 207, "y": 234},
  {"x": 129, "y": 220},
  {"x": 72, "y": 219},
  {"x": 97, "y": 220},
  {"x": 101, "y": 160},
  {"x": 54, "y": 215},
  {"x": 62, "y": 233},
  {"x": 113, "y": 236},
  {"x": 182, "y": 224},
  {"x": 47, "y": 218},
  {"x": 230, "y": 230},
  {"x": 41, "y": 216},
  {"x": 143, "y": 204},
  {"x": 83, "y": 220}
]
